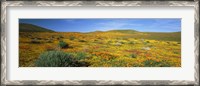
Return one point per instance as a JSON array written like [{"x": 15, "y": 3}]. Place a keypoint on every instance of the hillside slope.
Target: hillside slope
[
  {"x": 124, "y": 31},
  {"x": 164, "y": 36},
  {"x": 170, "y": 36},
  {"x": 23, "y": 27}
]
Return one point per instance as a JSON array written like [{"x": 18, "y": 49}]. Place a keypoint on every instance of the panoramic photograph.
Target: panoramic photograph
[{"x": 100, "y": 42}]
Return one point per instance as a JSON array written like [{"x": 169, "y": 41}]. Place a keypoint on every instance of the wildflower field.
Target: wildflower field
[{"x": 115, "y": 48}]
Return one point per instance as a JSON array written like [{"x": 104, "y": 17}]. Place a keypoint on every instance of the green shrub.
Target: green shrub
[
  {"x": 147, "y": 41},
  {"x": 49, "y": 41},
  {"x": 153, "y": 63},
  {"x": 133, "y": 55},
  {"x": 58, "y": 59},
  {"x": 131, "y": 42},
  {"x": 39, "y": 38},
  {"x": 61, "y": 36},
  {"x": 175, "y": 44},
  {"x": 55, "y": 59},
  {"x": 168, "y": 42},
  {"x": 71, "y": 38},
  {"x": 109, "y": 42},
  {"x": 81, "y": 55},
  {"x": 175, "y": 52},
  {"x": 63, "y": 44},
  {"x": 122, "y": 42},
  {"x": 82, "y": 41}
]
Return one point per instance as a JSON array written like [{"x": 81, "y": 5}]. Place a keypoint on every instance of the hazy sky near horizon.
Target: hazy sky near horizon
[{"x": 90, "y": 25}]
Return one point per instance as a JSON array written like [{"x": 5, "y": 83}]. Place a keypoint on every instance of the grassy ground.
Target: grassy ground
[{"x": 105, "y": 49}]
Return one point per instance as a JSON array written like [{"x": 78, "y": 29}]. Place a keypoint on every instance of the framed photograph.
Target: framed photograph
[{"x": 100, "y": 43}]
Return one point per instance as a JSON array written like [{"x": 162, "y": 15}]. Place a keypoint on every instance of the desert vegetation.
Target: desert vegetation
[{"x": 115, "y": 48}]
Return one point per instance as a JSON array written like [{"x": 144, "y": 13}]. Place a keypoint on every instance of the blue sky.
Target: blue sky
[{"x": 89, "y": 25}]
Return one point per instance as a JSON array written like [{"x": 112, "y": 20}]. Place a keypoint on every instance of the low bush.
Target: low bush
[
  {"x": 131, "y": 42},
  {"x": 49, "y": 41},
  {"x": 153, "y": 63},
  {"x": 133, "y": 55},
  {"x": 82, "y": 41},
  {"x": 81, "y": 55},
  {"x": 109, "y": 42},
  {"x": 175, "y": 44},
  {"x": 39, "y": 38},
  {"x": 71, "y": 38},
  {"x": 58, "y": 59},
  {"x": 147, "y": 41},
  {"x": 63, "y": 44},
  {"x": 61, "y": 36},
  {"x": 122, "y": 42},
  {"x": 175, "y": 52}
]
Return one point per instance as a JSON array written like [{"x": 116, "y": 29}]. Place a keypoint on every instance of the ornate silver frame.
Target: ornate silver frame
[{"x": 5, "y": 4}]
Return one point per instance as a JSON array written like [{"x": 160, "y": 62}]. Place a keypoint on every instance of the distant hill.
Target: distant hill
[
  {"x": 168, "y": 36},
  {"x": 23, "y": 27},
  {"x": 165, "y": 36},
  {"x": 123, "y": 31}
]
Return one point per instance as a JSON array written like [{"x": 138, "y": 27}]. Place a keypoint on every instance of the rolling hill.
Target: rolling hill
[
  {"x": 23, "y": 27},
  {"x": 124, "y": 31},
  {"x": 165, "y": 36}
]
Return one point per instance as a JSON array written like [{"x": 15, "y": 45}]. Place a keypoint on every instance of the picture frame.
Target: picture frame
[{"x": 4, "y": 45}]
